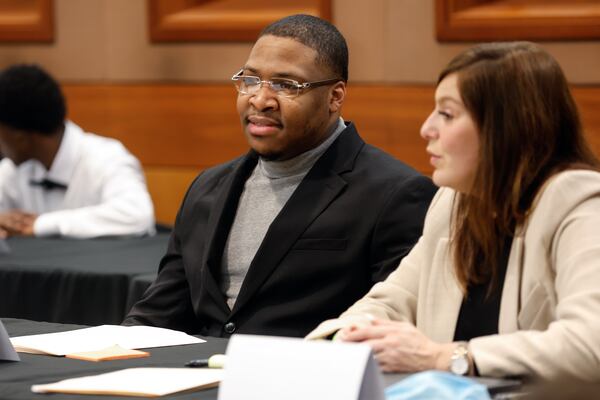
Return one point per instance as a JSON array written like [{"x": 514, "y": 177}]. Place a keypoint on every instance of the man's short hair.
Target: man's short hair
[
  {"x": 31, "y": 100},
  {"x": 317, "y": 34}
]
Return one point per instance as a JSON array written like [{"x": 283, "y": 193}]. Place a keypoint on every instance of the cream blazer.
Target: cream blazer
[{"x": 549, "y": 323}]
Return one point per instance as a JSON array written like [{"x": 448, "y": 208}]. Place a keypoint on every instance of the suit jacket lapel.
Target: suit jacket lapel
[
  {"x": 317, "y": 190},
  {"x": 219, "y": 225}
]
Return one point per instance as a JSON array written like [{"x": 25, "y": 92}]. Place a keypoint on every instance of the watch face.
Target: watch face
[{"x": 459, "y": 365}]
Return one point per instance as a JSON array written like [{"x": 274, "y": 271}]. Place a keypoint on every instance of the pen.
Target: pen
[{"x": 214, "y": 361}]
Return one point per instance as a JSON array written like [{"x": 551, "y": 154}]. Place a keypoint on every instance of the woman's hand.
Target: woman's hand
[{"x": 400, "y": 346}]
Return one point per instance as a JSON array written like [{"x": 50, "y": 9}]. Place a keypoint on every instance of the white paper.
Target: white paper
[
  {"x": 101, "y": 337},
  {"x": 264, "y": 368},
  {"x": 7, "y": 352},
  {"x": 137, "y": 381}
]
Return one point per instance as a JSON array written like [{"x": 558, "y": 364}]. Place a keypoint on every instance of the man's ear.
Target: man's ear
[{"x": 337, "y": 94}]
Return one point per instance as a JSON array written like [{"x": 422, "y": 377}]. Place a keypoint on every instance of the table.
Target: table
[
  {"x": 16, "y": 378},
  {"x": 90, "y": 282}
]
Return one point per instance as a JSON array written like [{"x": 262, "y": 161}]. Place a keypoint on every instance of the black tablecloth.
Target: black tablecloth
[
  {"x": 89, "y": 282},
  {"x": 16, "y": 378}
]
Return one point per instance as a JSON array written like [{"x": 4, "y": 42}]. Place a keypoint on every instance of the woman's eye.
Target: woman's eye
[{"x": 445, "y": 114}]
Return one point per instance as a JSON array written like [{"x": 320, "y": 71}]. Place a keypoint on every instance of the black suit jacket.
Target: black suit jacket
[{"x": 348, "y": 224}]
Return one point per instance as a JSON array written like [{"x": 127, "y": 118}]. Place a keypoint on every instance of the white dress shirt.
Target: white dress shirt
[{"x": 106, "y": 191}]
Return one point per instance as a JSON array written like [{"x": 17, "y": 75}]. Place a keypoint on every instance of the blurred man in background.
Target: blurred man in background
[{"x": 56, "y": 179}]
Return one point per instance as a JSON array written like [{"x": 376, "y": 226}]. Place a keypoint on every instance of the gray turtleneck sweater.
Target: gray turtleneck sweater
[{"x": 265, "y": 193}]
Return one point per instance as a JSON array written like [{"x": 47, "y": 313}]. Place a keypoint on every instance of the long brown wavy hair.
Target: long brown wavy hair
[{"x": 529, "y": 129}]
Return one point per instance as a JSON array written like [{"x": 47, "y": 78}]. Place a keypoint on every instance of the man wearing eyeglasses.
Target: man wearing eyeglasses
[{"x": 306, "y": 222}]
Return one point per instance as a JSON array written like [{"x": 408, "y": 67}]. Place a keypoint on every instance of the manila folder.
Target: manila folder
[{"x": 143, "y": 382}]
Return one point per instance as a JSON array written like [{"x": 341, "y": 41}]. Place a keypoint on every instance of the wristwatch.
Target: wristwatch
[{"x": 459, "y": 362}]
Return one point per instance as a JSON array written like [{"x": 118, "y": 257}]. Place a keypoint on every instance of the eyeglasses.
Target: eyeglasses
[{"x": 246, "y": 84}]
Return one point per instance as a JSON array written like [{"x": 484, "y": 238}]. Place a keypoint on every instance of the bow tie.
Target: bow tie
[{"x": 48, "y": 184}]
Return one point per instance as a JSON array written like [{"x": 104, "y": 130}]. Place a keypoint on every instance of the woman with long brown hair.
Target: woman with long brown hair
[{"x": 505, "y": 280}]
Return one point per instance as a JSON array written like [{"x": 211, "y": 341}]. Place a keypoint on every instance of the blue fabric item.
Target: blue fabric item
[{"x": 437, "y": 385}]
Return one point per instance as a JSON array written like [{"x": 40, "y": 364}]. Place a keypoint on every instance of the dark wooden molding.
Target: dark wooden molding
[
  {"x": 485, "y": 20},
  {"x": 223, "y": 20},
  {"x": 26, "y": 21},
  {"x": 185, "y": 129}
]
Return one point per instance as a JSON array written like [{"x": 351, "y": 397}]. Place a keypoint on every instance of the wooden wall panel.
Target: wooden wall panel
[
  {"x": 484, "y": 20},
  {"x": 167, "y": 125},
  {"x": 178, "y": 130},
  {"x": 26, "y": 20},
  {"x": 223, "y": 20},
  {"x": 167, "y": 186}
]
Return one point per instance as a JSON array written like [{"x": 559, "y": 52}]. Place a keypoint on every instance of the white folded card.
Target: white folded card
[
  {"x": 148, "y": 382},
  {"x": 101, "y": 337},
  {"x": 266, "y": 367}
]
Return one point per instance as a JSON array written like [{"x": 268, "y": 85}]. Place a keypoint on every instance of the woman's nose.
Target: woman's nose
[{"x": 428, "y": 129}]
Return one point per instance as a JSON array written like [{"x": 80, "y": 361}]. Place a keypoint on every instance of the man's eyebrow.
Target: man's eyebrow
[
  {"x": 249, "y": 69},
  {"x": 284, "y": 74}
]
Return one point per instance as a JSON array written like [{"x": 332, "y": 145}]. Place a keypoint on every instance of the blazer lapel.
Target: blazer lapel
[
  {"x": 317, "y": 190},
  {"x": 509, "y": 303},
  {"x": 440, "y": 312},
  {"x": 441, "y": 308},
  {"x": 219, "y": 224}
]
